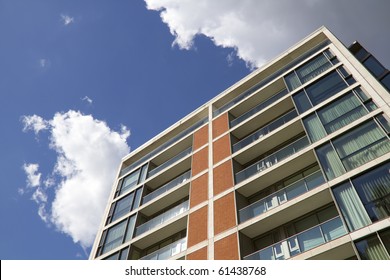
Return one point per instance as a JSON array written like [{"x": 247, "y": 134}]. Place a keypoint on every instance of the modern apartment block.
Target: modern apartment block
[{"x": 291, "y": 162}]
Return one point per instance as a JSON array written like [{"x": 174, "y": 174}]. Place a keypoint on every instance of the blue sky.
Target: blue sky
[{"x": 84, "y": 82}]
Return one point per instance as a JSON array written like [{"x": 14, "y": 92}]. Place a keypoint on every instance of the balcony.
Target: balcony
[
  {"x": 264, "y": 130},
  {"x": 259, "y": 107},
  {"x": 163, "y": 218},
  {"x": 276, "y": 199},
  {"x": 170, "y": 162},
  {"x": 272, "y": 159},
  {"x": 168, "y": 251},
  {"x": 302, "y": 242},
  {"x": 167, "y": 187}
]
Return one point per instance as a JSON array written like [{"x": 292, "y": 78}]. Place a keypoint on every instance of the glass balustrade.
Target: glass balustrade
[
  {"x": 302, "y": 242},
  {"x": 168, "y": 251},
  {"x": 272, "y": 159},
  {"x": 291, "y": 191},
  {"x": 258, "y": 108},
  {"x": 164, "y": 217},
  {"x": 168, "y": 186},
  {"x": 264, "y": 130},
  {"x": 171, "y": 161}
]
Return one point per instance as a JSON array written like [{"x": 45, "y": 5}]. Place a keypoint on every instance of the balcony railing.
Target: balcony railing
[
  {"x": 272, "y": 159},
  {"x": 168, "y": 186},
  {"x": 164, "y": 217},
  {"x": 168, "y": 251},
  {"x": 171, "y": 161},
  {"x": 258, "y": 108},
  {"x": 265, "y": 130},
  {"x": 302, "y": 242},
  {"x": 291, "y": 191},
  {"x": 163, "y": 146}
]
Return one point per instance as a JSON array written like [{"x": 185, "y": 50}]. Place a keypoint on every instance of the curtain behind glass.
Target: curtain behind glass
[
  {"x": 373, "y": 188},
  {"x": 314, "y": 128},
  {"x": 292, "y": 81},
  {"x": 313, "y": 68},
  {"x": 342, "y": 112},
  {"x": 351, "y": 207},
  {"x": 115, "y": 236},
  {"x": 371, "y": 249},
  {"x": 330, "y": 162},
  {"x": 362, "y": 145}
]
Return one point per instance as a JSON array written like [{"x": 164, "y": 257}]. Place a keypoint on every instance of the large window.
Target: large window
[
  {"x": 310, "y": 70},
  {"x": 129, "y": 182},
  {"x": 124, "y": 205},
  {"x": 337, "y": 114},
  {"x": 116, "y": 235},
  {"x": 319, "y": 91},
  {"x": 366, "y": 198},
  {"x": 353, "y": 149},
  {"x": 375, "y": 247}
]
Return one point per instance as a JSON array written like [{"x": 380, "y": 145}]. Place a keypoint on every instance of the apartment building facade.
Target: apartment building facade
[{"x": 291, "y": 162}]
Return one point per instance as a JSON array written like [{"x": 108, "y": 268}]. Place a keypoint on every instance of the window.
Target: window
[
  {"x": 124, "y": 205},
  {"x": 120, "y": 255},
  {"x": 373, "y": 189},
  {"x": 374, "y": 66},
  {"x": 129, "y": 182},
  {"x": 319, "y": 91},
  {"x": 309, "y": 70},
  {"x": 375, "y": 247},
  {"x": 116, "y": 235},
  {"x": 334, "y": 116},
  {"x": 353, "y": 149}
]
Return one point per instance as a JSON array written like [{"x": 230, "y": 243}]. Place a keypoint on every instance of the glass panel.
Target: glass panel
[
  {"x": 292, "y": 81},
  {"x": 333, "y": 229},
  {"x": 385, "y": 237},
  {"x": 314, "y": 180},
  {"x": 306, "y": 223},
  {"x": 310, "y": 239},
  {"x": 373, "y": 189},
  {"x": 144, "y": 173},
  {"x": 137, "y": 199},
  {"x": 164, "y": 217},
  {"x": 130, "y": 228},
  {"x": 327, "y": 214},
  {"x": 371, "y": 249},
  {"x": 276, "y": 157},
  {"x": 325, "y": 88},
  {"x": 330, "y": 162},
  {"x": 361, "y": 145},
  {"x": 130, "y": 182},
  {"x": 124, "y": 254},
  {"x": 296, "y": 189},
  {"x": 168, "y": 251},
  {"x": 384, "y": 121},
  {"x": 386, "y": 82},
  {"x": 351, "y": 207},
  {"x": 374, "y": 66},
  {"x": 361, "y": 54},
  {"x": 168, "y": 186},
  {"x": 313, "y": 68},
  {"x": 114, "y": 236},
  {"x": 123, "y": 207},
  {"x": 314, "y": 128},
  {"x": 301, "y": 102},
  {"x": 341, "y": 112},
  {"x": 361, "y": 94}
]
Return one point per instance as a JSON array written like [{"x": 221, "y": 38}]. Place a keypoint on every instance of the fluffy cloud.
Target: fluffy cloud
[
  {"x": 66, "y": 19},
  {"x": 33, "y": 176},
  {"x": 35, "y": 123},
  {"x": 260, "y": 30},
  {"x": 88, "y": 153}
]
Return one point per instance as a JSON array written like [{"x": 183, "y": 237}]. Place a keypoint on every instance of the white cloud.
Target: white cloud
[
  {"x": 260, "y": 30},
  {"x": 88, "y": 154},
  {"x": 33, "y": 176},
  {"x": 87, "y": 99},
  {"x": 35, "y": 123},
  {"x": 44, "y": 62},
  {"x": 66, "y": 19}
]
